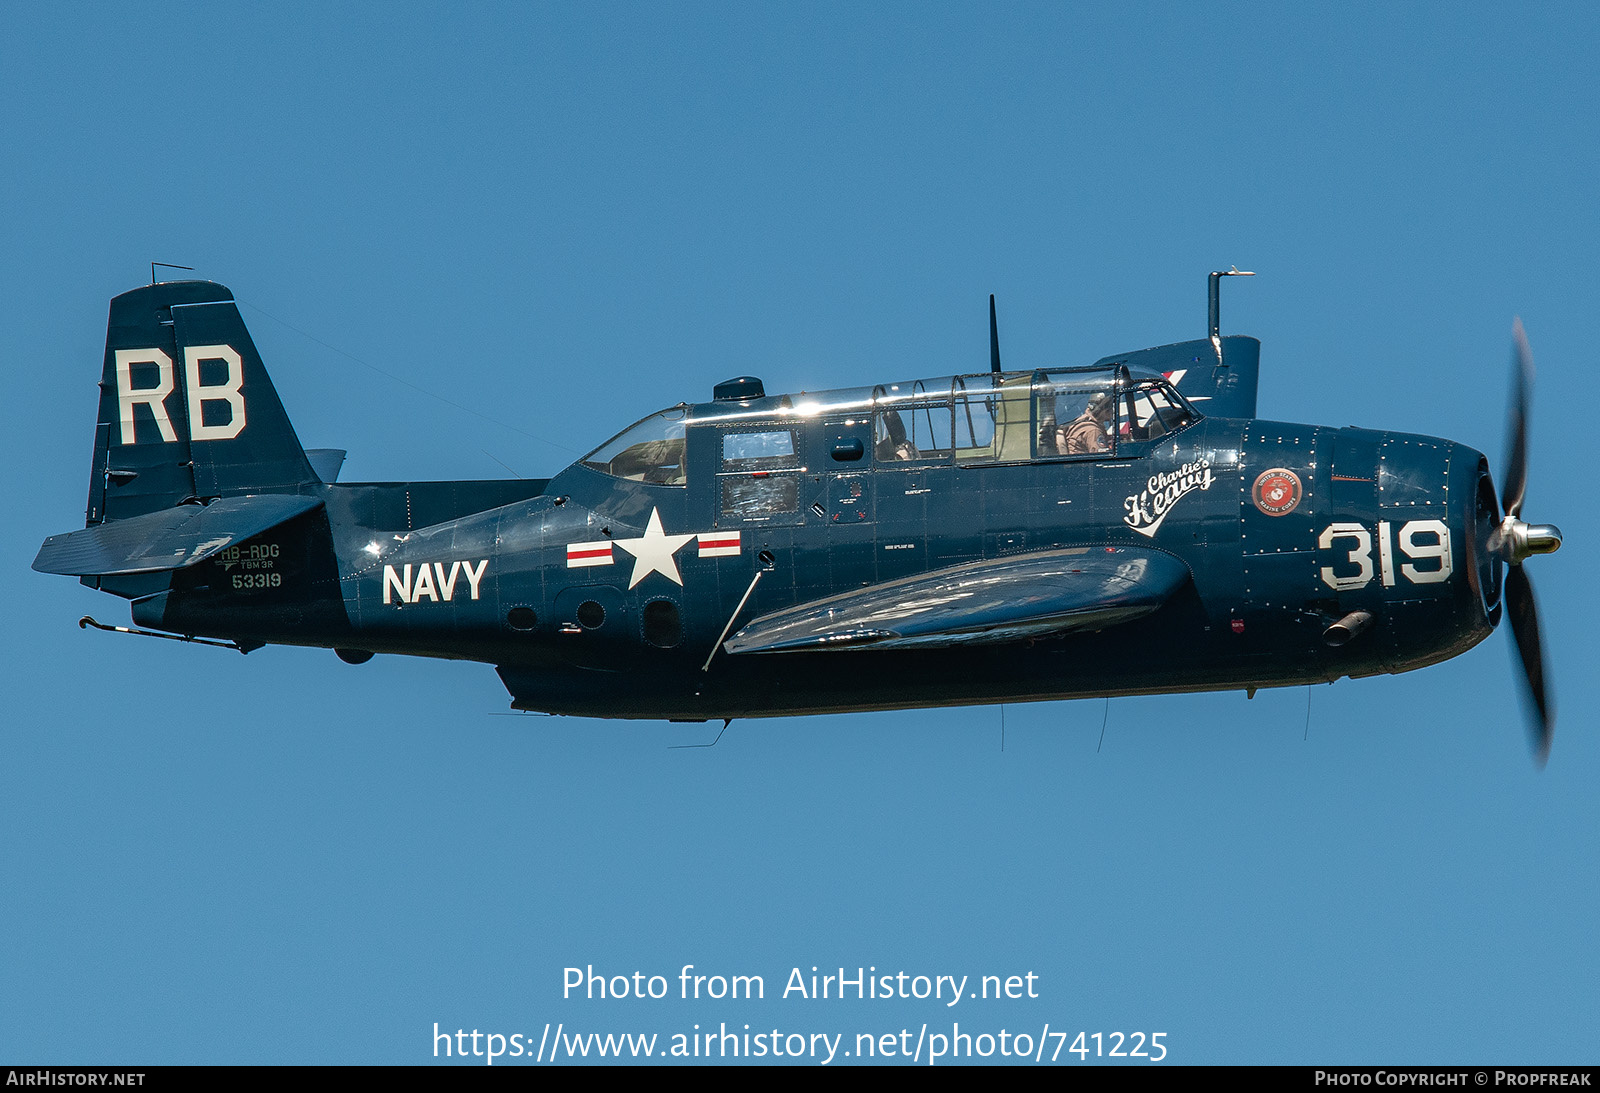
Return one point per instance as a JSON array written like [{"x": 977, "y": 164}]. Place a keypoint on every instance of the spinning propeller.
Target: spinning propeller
[{"x": 1514, "y": 542}]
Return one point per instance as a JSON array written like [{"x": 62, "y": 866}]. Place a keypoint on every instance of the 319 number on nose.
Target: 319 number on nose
[{"x": 1425, "y": 544}]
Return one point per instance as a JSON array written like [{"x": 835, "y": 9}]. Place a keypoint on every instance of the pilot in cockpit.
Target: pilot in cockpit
[{"x": 1086, "y": 434}]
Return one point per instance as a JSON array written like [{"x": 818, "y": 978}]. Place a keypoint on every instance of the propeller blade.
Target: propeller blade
[
  {"x": 1516, "y": 480},
  {"x": 1524, "y": 616}
]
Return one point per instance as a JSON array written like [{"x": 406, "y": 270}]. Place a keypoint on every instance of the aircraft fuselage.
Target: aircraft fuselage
[
  {"x": 1385, "y": 523},
  {"x": 996, "y": 537}
]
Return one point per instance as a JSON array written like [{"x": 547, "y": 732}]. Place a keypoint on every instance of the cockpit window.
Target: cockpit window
[
  {"x": 992, "y": 418},
  {"x": 1094, "y": 412},
  {"x": 760, "y": 477},
  {"x": 651, "y": 451},
  {"x": 1014, "y": 417},
  {"x": 1154, "y": 409},
  {"x": 1077, "y": 413},
  {"x": 912, "y": 422},
  {"x": 758, "y": 451}
]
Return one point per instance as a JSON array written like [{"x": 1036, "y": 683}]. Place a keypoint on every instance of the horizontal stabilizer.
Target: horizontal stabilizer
[
  {"x": 326, "y": 462},
  {"x": 1006, "y": 599},
  {"x": 170, "y": 539}
]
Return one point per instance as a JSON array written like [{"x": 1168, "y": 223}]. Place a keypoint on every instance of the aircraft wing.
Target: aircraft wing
[
  {"x": 1006, "y": 599},
  {"x": 169, "y": 539}
]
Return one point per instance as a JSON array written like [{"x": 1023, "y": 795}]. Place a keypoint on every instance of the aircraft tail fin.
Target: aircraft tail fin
[{"x": 187, "y": 412}]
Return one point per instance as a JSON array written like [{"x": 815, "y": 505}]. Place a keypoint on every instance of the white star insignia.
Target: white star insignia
[{"x": 653, "y": 552}]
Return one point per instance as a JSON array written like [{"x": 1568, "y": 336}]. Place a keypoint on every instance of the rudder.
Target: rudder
[{"x": 187, "y": 411}]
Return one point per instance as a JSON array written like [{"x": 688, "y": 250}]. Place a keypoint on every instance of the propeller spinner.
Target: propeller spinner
[{"x": 1515, "y": 541}]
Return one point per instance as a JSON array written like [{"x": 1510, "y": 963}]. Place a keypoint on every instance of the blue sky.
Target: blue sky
[{"x": 566, "y": 217}]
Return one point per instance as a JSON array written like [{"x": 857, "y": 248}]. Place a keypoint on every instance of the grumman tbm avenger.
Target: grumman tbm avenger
[{"x": 1127, "y": 527}]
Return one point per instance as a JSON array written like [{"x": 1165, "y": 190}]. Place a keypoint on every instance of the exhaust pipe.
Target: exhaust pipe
[{"x": 1346, "y": 628}]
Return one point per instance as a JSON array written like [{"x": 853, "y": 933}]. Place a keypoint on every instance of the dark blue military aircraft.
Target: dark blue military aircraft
[{"x": 1129, "y": 527}]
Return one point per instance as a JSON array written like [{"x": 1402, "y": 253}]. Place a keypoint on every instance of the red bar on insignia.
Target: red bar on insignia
[
  {"x": 586, "y": 554},
  {"x": 719, "y": 544}
]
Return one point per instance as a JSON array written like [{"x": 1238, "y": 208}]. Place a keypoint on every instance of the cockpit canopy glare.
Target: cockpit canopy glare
[{"x": 986, "y": 418}]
